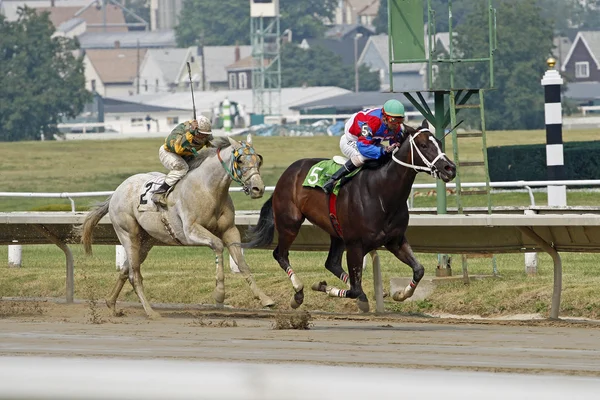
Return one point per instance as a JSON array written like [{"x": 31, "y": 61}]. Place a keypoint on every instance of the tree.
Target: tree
[
  {"x": 318, "y": 66},
  {"x": 381, "y": 20},
  {"x": 41, "y": 81},
  {"x": 524, "y": 43},
  {"x": 572, "y": 15},
  {"x": 225, "y": 22}
]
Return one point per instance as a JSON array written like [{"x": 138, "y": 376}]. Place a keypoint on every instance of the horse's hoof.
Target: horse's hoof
[
  {"x": 219, "y": 305},
  {"x": 268, "y": 303},
  {"x": 219, "y": 296},
  {"x": 154, "y": 316},
  {"x": 319, "y": 286},
  {"x": 297, "y": 300},
  {"x": 400, "y": 296},
  {"x": 363, "y": 306}
]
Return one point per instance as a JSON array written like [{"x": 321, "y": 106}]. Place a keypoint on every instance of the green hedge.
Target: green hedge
[{"x": 528, "y": 162}]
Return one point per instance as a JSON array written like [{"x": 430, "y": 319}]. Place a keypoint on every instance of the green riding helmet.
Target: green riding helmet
[{"x": 393, "y": 108}]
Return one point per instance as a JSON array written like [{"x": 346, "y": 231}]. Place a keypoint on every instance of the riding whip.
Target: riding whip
[{"x": 192, "y": 88}]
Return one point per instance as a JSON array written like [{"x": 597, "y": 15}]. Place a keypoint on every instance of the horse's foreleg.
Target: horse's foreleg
[
  {"x": 354, "y": 258},
  {"x": 232, "y": 241},
  {"x": 197, "y": 235},
  {"x": 402, "y": 250}
]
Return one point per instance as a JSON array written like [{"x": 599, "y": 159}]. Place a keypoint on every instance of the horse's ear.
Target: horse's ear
[
  {"x": 235, "y": 144},
  {"x": 249, "y": 139},
  {"x": 425, "y": 124}
]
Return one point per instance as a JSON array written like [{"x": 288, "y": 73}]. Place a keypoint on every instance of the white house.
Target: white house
[
  {"x": 112, "y": 72},
  {"x": 165, "y": 70}
]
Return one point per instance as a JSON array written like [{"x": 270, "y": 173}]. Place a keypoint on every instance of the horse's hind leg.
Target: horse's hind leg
[
  {"x": 334, "y": 264},
  {"x": 287, "y": 226},
  {"x": 132, "y": 238},
  {"x": 401, "y": 249},
  {"x": 232, "y": 240},
  {"x": 111, "y": 301},
  {"x": 354, "y": 257}
]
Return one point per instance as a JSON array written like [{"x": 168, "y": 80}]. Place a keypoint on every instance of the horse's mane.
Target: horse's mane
[
  {"x": 386, "y": 158},
  {"x": 219, "y": 142}
]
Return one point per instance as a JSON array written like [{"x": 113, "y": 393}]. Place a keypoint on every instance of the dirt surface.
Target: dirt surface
[{"x": 86, "y": 330}]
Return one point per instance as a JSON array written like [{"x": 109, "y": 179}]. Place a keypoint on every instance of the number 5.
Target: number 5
[{"x": 314, "y": 175}]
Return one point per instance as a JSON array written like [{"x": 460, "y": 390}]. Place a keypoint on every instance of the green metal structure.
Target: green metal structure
[
  {"x": 407, "y": 44},
  {"x": 265, "y": 38}
]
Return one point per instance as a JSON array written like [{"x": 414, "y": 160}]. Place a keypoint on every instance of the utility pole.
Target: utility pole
[
  {"x": 356, "y": 37},
  {"x": 203, "y": 70},
  {"x": 137, "y": 69}
]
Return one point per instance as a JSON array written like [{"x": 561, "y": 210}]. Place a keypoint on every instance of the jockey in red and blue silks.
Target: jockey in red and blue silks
[{"x": 363, "y": 134}]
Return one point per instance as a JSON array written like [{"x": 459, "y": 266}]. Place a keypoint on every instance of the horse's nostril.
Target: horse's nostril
[{"x": 449, "y": 168}]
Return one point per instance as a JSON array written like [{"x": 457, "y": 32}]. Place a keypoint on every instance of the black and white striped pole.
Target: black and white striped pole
[{"x": 552, "y": 81}]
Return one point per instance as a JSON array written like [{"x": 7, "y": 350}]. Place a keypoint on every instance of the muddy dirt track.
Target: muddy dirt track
[{"x": 50, "y": 329}]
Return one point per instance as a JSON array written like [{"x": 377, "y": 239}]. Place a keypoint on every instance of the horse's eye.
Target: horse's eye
[{"x": 423, "y": 145}]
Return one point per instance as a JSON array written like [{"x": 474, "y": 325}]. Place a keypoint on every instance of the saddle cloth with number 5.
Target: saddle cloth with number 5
[{"x": 320, "y": 173}]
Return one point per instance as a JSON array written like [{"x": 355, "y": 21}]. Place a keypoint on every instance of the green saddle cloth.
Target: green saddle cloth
[{"x": 320, "y": 173}]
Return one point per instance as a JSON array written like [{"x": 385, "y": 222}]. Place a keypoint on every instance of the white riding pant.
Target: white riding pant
[
  {"x": 174, "y": 163},
  {"x": 349, "y": 146}
]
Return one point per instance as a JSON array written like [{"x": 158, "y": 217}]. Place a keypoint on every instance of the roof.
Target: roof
[
  {"x": 562, "y": 46},
  {"x": 170, "y": 61},
  {"x": 342, "y": 30},
  {"x": 381, "y": 45},
  {"x": 70, "y": 24},
  {"x": 147, "y": 39},
  {"x": 591, "y": 39},
  {"x": 115, "y": 65},
  {"x": 205, "y": 101},
  {"x": 9, "y": 7},
  {"x": 245, "y": 64},
  {"x": 343, "y": 48},
  {"x": 360, "y": 5},
  {"x": 584, "y": 91},
  {"x": 218, "y": 57},
  {"x": 353, "y": 102},
  {"x": 371, "y": 9},
  {"x": 122, "y": 106},
  {"x": 92, "y": 16}
]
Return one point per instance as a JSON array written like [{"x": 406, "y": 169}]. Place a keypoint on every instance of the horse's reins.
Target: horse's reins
[
  {"x": 429, "y": 165},
  {"x": 234, "y": 172}
]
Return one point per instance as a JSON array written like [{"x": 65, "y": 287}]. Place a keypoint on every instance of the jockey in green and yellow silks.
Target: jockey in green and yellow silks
[{"x": 182, "y": 144}]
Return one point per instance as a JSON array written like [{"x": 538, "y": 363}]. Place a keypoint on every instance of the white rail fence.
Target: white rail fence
[{"x": 15, "y": 251}]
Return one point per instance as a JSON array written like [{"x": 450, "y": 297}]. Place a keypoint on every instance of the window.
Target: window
[
  {"x": 156, "y": 86},
  {"x": 145, "y": 85},
  {"x": 172, "y": 120},
  {"x": 93, "y": 85},
  {"x": 137, "y": 121},
  {"x": 192, "y": 59},
  {"x": 232, "y": 81},
  {"x": 582, "y": 69},
  {"x": 243, "y": 79}
]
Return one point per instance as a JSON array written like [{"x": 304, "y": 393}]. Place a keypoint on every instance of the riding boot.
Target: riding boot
[
  {"x": 340, "y": 173},
  {"x": 160, "y": 195}
]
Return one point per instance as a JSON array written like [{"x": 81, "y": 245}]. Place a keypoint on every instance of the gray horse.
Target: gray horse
[{"x": 200, "y": 213}]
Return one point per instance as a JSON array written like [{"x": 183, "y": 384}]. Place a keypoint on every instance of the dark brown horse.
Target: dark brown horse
[{"x": 372, "y": 211}]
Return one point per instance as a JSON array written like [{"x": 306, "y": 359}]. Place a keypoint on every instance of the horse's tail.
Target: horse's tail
[
  {"x": 263, "y": 232},
  {"x": 85, "y": 231}
]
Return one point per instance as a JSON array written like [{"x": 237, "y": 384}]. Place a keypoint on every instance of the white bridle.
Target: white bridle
[{"x": 429, "y": 165}]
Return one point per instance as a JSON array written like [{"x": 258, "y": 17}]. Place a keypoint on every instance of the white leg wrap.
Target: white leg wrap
[
  {"x": 296, "y": 282},
  {"x": 335, "y": 292}
]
